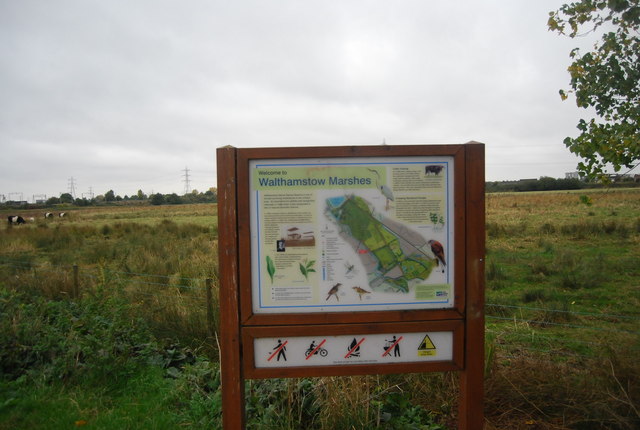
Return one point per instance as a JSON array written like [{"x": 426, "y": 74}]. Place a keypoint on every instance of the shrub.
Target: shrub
[{"x": 60, "y": 339}]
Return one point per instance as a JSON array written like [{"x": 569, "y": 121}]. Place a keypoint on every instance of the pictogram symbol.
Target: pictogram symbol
[
  {"x": 354, "y": 348},
  {"x": 426, "y": 347},
  {"x": 316, "y": 350},
  {"x": 392, "y": 344},
  {"x": 279, "y": 350}
]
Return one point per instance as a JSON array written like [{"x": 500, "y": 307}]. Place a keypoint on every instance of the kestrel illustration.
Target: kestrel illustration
[
  {"x": 438, "y": 251},
  {"x": 361, "y": 291},
  {"x": 334, "y": 291}
]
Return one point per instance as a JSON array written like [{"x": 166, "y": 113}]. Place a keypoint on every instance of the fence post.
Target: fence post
[
  {"x": 76, "y": 286},
  {"x": 209, "y": 286}
]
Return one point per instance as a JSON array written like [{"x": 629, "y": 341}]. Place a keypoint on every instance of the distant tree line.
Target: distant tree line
[
  {"x": 545, "y": 183},
  {"x": 110, "y": 197}
]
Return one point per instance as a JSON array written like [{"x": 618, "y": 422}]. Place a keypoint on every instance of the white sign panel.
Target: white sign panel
[
  {"x": 351, "y": 234},
  {"x": 353, "y": 349}
]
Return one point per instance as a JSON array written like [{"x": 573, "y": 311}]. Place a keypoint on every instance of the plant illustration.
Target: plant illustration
[
  {"x": 307, "y": 268},
  {"x": 436, "y": 219},
  {"x": 271, "y": 268}
]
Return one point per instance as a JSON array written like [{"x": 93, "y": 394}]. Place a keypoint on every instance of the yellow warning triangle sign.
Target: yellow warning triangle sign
[{"x": 426, "y": 344}]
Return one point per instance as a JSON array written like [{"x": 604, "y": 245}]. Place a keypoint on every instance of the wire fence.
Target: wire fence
[
  {"x": 101, "y": 273},
  {"x": 511, "y": 328}
]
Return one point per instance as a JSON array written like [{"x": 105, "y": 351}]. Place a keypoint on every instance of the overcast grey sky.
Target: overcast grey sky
[{"x": 125, "y": 95}]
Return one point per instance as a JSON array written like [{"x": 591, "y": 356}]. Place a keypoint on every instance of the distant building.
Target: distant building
[{"x": 572, "y": 175}]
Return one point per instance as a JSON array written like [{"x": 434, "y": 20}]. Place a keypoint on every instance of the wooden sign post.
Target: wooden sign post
[{"x": 351, "y": 260}]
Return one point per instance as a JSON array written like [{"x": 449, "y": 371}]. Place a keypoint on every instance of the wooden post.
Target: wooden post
[
  {"x": 76, "y": 285},
  {"x": 230, "y": 342},
  {"x": 210, "y": 322},
  {"x": 471, "y": 407},
  {"x": 240, "y": 326}
]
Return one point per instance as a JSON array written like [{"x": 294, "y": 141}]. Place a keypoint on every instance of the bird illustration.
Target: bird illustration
[
  {"x": 349, "y": 267},
  {"x": 361, "y": 291},
  {"x": 334, "y": 291},
  {"x": 385, "y": 190},
  {"x": 438, "y": 251}
]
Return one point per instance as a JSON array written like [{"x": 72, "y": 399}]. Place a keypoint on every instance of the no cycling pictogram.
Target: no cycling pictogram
[{"x": 311, "y": 352}]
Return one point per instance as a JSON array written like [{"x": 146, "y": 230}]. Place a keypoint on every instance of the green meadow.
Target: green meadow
[{"x": 128, "y": 339}]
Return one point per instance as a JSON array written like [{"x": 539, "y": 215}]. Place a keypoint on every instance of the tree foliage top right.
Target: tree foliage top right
[{"x": 607, "y": 79}]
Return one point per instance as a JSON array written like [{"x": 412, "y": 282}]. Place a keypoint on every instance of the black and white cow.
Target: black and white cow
[
  {"x": 435, "y": 169},
  {"x": 62, "y": 214},
  {"x": 15, "y": 219},
  {"x": 48, "y": 215}
]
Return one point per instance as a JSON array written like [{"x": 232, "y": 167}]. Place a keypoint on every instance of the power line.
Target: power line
[
  {"x": 72, "y": 187},
  {"x": 187, "y": 186},
  {"x": 20, "y": 198}
]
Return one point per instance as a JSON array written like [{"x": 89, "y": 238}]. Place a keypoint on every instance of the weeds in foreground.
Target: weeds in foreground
[
  {"x": 569, "y": 394},
  {"x": 546, "y": 264}
]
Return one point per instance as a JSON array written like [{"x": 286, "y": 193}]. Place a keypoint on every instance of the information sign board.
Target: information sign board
[
  {"x": 351, "y": 260},
  {"x": 357, "y": 234}
]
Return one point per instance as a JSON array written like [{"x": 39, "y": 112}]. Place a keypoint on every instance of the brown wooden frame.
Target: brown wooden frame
[
  {"x": 245, "y": 155},
  {"x": 251, "y": 333},
  {"x": 239, "y": 325}
]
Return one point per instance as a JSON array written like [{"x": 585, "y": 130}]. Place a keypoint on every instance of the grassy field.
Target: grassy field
[{"x": 132, "y": 349}]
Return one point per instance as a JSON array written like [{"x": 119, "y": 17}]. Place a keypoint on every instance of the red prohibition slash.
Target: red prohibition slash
[
  {"x": 392, "y": 346},
  {"x": 354, "y": 348},
  {"x": 317, "y": 348},
  {"x": 277, "y": 350}
]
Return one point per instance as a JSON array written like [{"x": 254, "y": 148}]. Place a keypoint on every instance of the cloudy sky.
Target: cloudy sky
[{"x": 127, "y": 94}]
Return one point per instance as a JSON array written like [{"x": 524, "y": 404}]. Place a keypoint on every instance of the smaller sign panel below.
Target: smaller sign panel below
[{"x": 345, "y": 350}]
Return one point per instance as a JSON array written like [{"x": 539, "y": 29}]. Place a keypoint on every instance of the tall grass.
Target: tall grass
[
  {"x": 162, "y": 267},
  {"x": 555, "y": 265}
]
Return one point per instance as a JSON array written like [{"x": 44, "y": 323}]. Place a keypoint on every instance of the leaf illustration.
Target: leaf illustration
[
  {"x": 271, "y": 268},
  {"x": 307, "y": 268}
]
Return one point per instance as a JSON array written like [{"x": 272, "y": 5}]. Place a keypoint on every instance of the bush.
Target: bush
[{"x": 60, "y": 339}]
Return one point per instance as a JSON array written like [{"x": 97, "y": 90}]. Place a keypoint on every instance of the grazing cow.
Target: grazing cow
[
  {"x": 48, "y": 215},
  {"x": 32, "y": 219},
  {"x": 435, "y": 169},
  {"x": 62, "y": 214},
  {"x": 15, "y": 219}
]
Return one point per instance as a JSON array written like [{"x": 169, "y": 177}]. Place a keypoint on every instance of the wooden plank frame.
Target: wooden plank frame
[
  {"x": 231, "y": 372},
  {"x": 240, "y": 326},
  {"x": 248, "y": 318},
  {"x": 251, "y": 333}
]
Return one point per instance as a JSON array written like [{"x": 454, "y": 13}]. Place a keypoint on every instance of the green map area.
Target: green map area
[{"x": 396, "y": 264}]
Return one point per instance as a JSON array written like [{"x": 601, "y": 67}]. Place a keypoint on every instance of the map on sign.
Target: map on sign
[
  {"x": 393, "y": 254},
  {"x": 357, "y": 234}
]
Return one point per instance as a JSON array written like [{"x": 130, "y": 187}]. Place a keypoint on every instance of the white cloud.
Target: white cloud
[{"x": 123, "y": 95}]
